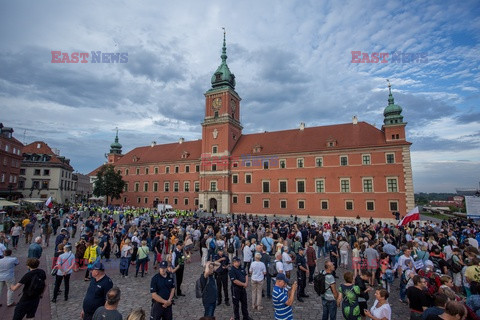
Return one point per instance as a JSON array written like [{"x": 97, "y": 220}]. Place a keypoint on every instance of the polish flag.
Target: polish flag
[
  {"x": 49, "y": 202},
  {"x": 411, "y": 216}
]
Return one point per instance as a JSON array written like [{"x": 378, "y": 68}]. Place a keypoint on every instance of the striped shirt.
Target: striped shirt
[{"x": 279, "y": 298}]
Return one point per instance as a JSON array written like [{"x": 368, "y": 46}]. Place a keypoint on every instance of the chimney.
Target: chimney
[
  {"x": 154, "y": 143},
  {"x": 354, "y": 120},
  {"x": 302, "y": 126},
  {"x": 180, "y": 141}
]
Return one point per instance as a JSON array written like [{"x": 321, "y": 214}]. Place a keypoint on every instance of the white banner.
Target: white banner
[{"x": 472, "y": 204}]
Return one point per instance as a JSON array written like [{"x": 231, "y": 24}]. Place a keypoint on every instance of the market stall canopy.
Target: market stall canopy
[
  {"x": 102, "y": 198},
  {"x": 5, "y": 203},
  {"x": 34, "y": 200}
]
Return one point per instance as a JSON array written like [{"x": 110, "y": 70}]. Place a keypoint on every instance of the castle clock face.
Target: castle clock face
[{"x": 217, "y": 103}]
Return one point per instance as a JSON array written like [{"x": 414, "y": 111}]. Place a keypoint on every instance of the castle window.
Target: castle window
[
  {"x": 390, "y": 158},
  {"x": 393, "y": 205},
  {"x": 319, "y": 162},
  {"x": 155, "y": 186},
  {"x": 186, "y": 186},
  {"x": 137, "y": 171},
  {"x": 248, "y": 199},
  {"x": 265, "y": 164},
  {"x": 370, "y": 205},
  {"x": 235, "y": 178},
  {"x": 167, "y": 169},
  {"x": 301, "y": 204},
  {"x": 187, "y": 169},
  {"x": 234, "y": 199},
  {"x": 155, "y": 170},
  {"x": 367, "y": 185},
  {"x": 300, "y": 163},
  {"x": 392, "y": 185},
  {"x": 266, "y": 186},
  {"x": 145, "y": 187},
  {"x": 185, "y": 201},
  {"x": 137, "y": 186},
  {"x": 344, "y": 185},
  {"x": 266, "y": 203},
  {"x": 248, "y": 178},
  {"x": 166, "y": 186},
  {"x": 175, "y": 187},
  {"x": 176, "y": 169},
  {"x": 197, "y": 186},
  {"x": 349, "y": 205},
  {"x": 283, "y": 204},
  {"x": 366, "y": 159},
  {"x": 320, "y": 185},
  {"x": 282, "y": 186},
  {"x": 300, "y": 186},
  {"x": 344, "y": 161},
  {"x": 283, "y": 163},
  {"x": 324, "y": 204},
  {"x": 213, "y": 186},
  {"x": 214, "y": 149},
  {"x": 146, "y": 170}
]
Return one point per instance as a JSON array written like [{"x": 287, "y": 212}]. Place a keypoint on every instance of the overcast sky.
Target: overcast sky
[{"x": 291, "y": 59}]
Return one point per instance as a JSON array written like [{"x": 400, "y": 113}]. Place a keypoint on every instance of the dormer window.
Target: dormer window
[{"x": 257, "y": 148}]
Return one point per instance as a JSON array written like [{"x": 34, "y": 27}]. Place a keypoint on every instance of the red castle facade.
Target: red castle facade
[{"x": 344, "y": 170}]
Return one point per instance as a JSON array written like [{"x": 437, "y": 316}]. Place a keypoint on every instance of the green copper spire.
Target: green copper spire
[
  {"x": 223, "y": 77},
  {"x": 393, "y": 112},
  {"x": 116, "y": 147}
]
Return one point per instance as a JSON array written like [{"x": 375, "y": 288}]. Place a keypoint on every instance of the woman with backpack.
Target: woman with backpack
[{"x": 349, "y": 294}]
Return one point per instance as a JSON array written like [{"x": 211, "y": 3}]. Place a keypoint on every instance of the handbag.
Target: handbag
[{"x": 55, "y": 269}]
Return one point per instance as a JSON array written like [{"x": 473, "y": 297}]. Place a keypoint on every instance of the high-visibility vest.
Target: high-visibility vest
[{"x": 91, "y": 253}]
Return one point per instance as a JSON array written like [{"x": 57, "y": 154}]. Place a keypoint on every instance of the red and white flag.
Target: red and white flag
[
  {"x": 49, "y": 202},
  {"x": 413, "y": 215}
]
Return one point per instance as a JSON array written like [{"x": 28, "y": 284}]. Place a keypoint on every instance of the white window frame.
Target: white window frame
[
  {"x": 323, "y": 185},
  {"x": 286, "y": 186},
  {"x": 363, "y": 184},
  {"x": 388, "y": 186},
  {"x": 369, "y": 159},
  {"x": 340, "y": 159},
  {"x": 386, "y": 157},
  {"x": 302, "y": 161},
  {"x": 304, "y": 185},
  {"x": 366, "y": 205},
  {"x": 353, "y": 205},
  {"x": 321, "y": 162},
  {"x": 349, "y": 185}
]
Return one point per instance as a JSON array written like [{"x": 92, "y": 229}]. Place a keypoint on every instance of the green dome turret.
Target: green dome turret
[
  {"x": 223, "y": 76},
  {"x": 116, "y": 147},
  {"x": 392, "y": 112}
]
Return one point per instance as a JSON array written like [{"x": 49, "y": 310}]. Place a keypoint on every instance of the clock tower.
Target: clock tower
[{"x": 221, "y": 130}]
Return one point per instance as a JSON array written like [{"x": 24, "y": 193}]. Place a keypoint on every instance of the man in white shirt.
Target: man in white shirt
[
  {"x": 279, "y": 263},
  {"x": 287, "y": 262},
  {"x": 258, "y": 272}
]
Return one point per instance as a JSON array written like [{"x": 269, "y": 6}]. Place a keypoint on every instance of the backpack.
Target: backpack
[
  {"x": 453, "y": 266},
  {"x": 212, "y": 244},
  {"x": 199, "y": 291},
  {"x": 319, "y": 283},
  {"x": 36, "y": 286},
  {"x": 272, "y": 269},
  {"x": 230, "y": 247}
]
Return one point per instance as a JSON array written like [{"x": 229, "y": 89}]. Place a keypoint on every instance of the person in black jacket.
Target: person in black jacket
[{"x": 209, "y": 289}]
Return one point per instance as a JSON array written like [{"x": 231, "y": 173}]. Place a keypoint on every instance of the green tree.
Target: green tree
[{"x": 109, "y": 183}]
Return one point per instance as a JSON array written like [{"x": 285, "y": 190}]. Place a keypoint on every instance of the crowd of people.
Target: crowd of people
[{"x": 278, "y": 262}]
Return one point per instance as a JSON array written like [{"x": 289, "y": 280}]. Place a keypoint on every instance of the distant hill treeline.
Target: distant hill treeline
[{"x": 423, "y": 198}]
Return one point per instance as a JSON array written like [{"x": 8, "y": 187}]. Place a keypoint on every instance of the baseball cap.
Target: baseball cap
[
  {"x": 301, "y": 248},
  {"x": 98, "y": 266},
  {"x": 236, "y": 259},
  {"x": 282, "y": 277},
  {"x": 163, "y": 264}
]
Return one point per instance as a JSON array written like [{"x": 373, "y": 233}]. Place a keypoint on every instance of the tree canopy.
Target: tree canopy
[{"x": 109, "y": 183}]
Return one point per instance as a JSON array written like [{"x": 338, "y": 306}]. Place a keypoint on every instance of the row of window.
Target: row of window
[
  {"x": 11, "y": 178},
  {"x": 167, "y": 170},
  {"x": 343, "y": 161},
  {"x": 367, "y": 184},
  {"x": 14, "y": 163},
  {"x": 166, "y": 186},
  {"x": 15, "y": 150},
  {"x": 324, "y": 204},
  {"x": 345, "y": 185},
  {"x": 186, "y": 201},
  {"x": 266, "y": 164}
]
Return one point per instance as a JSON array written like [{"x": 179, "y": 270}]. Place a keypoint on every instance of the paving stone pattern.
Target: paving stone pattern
[{"x": 135, "y": 293}]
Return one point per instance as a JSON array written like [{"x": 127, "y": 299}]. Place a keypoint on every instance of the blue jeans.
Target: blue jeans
[
  {"x": 269, "y": 285},
  {"x": 403, "y": 290},
  {"x": 329, "y": 309},
  {"x": 320, "y": 250},
  {"x": 209, "y": 309}
]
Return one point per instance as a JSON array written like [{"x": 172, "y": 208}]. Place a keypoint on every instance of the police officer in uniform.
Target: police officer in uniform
[
  {"x": 239, "y": 293},
  {"x": 222, "y": 275},
  {"x": 302, "y": 274},
  {"x": 162, "y": 289}
]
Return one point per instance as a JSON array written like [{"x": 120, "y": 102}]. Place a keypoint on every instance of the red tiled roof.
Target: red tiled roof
[
  {"x": 94, "y": 172},
  {"x": 170, "y": 152},
  {"x": 40, "y": 147},
  {"x": 346, "y": 136}
]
